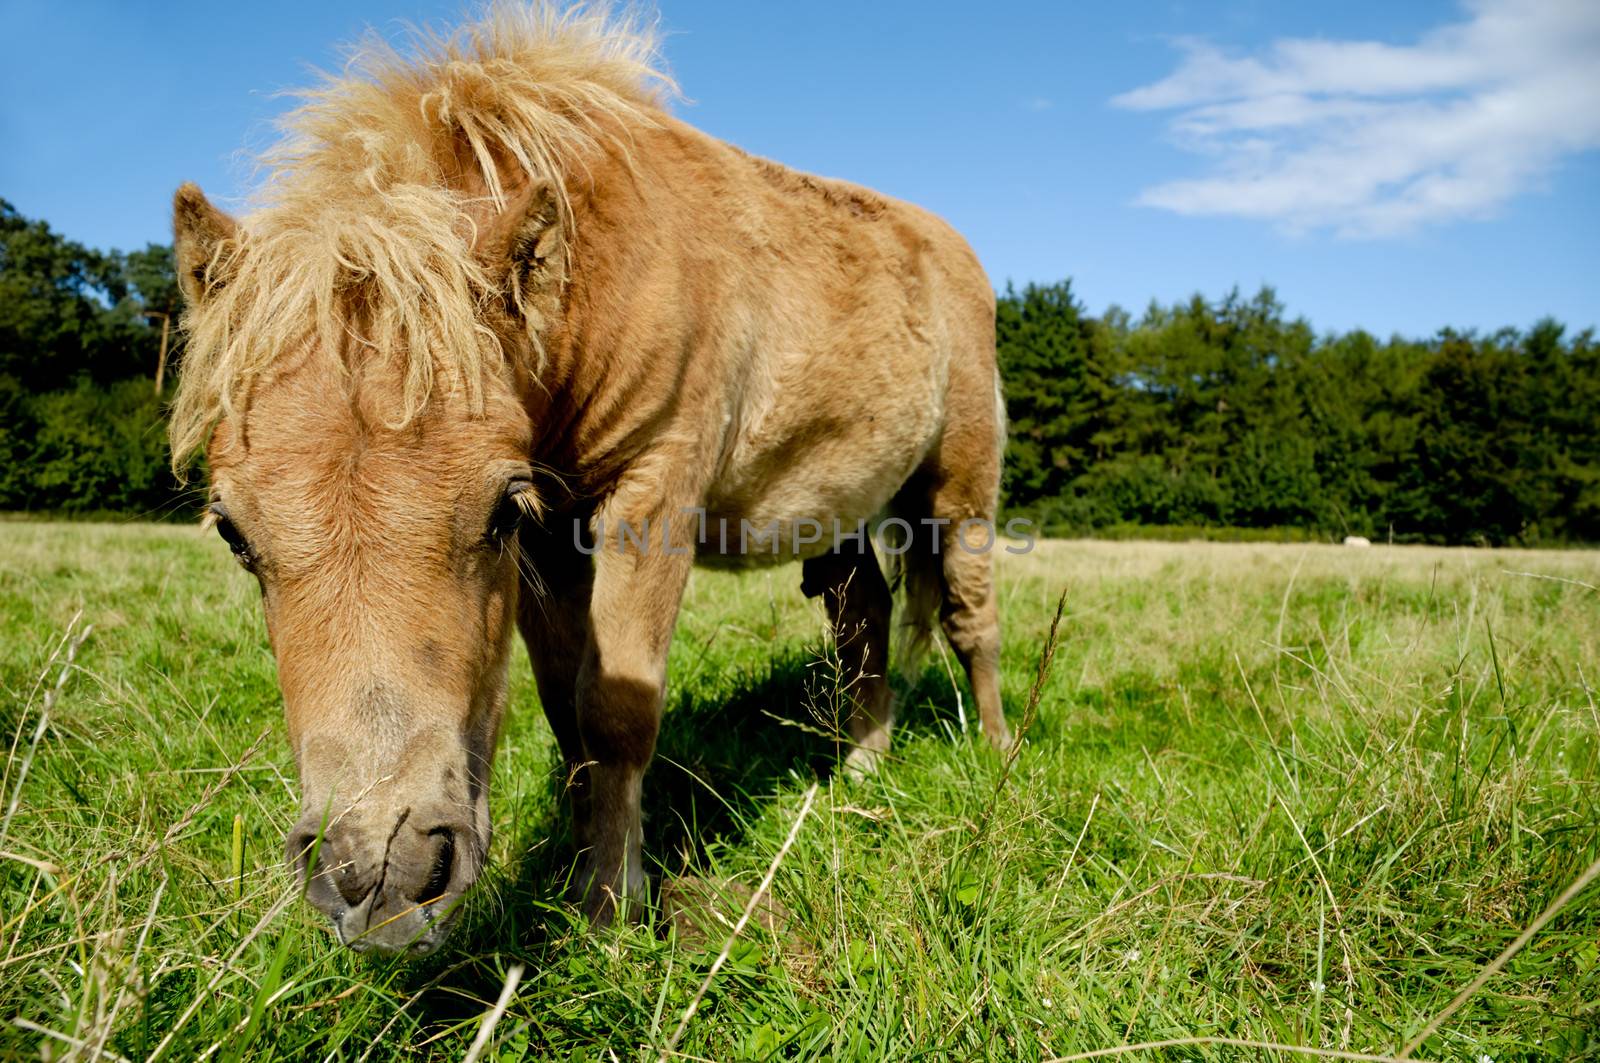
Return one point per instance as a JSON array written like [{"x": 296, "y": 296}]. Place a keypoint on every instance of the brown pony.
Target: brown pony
[{"x": 505, "y": 346}]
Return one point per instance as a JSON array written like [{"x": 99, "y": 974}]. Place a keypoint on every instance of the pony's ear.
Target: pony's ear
[
  {"x": 201, "y": 234},
  {"x": 526, "y": 244}
]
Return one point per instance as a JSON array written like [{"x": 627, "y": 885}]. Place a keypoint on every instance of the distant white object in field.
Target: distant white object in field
[{"x": 1357, "y": 540}]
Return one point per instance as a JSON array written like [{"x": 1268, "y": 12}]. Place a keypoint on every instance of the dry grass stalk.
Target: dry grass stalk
[{"x": 749, "y": 908}]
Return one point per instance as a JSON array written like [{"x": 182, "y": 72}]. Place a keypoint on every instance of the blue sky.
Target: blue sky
[{"x": 1392, "y": 166}]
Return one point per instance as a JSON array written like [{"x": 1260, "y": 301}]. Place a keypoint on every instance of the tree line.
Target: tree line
[
  {"x": 1229, "y": 413},
  {"x": 80, "y": 337},
  {"x": 1198, "y": 416}
]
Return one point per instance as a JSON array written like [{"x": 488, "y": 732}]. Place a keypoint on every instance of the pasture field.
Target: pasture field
[{"x": 1296, "y": 794}]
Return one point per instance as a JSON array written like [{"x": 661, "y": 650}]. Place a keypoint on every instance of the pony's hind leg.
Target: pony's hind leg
[
  {"x": 971, "y": 618},
  {"x": 858, "y": 601},
  {"x": 959, "y": 492}
]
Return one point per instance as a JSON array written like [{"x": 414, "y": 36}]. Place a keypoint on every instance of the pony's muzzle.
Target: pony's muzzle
[{"x": 392, "y": 891}]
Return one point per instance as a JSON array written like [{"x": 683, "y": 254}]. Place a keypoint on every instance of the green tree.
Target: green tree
[
  {"x": 1230, "y": 413},
  {"x": 76, "y": 352},
  {"x": 1058, "y": 385},
  {"x": 152, "y": 276}
]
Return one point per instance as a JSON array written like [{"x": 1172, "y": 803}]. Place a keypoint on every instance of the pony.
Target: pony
[{"x": 494, "y": 301}]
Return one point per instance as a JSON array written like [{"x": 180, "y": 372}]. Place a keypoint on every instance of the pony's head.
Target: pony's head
[
  {"x": 385, "y": 545},
  {"x": 361, "y": 356}
]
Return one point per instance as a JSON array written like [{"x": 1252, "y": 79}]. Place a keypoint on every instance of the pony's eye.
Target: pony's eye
[
  {"x": 232, "y": 536},
  {"x": 508, "y": 512}
]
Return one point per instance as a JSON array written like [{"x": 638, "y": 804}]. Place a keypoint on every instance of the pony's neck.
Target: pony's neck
[{"x": 611, "y": 357}]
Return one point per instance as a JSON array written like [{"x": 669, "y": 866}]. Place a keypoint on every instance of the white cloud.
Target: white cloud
[{"x": 1371, "y": 139}]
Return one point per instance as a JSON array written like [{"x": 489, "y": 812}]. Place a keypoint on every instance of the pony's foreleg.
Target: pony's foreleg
[
  {"x": 620, "y": 687},
  {"x": 553, "y": 615}
]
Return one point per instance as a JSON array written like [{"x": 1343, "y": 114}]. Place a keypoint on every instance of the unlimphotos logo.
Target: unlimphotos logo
[{"x": 697, "y": 531}]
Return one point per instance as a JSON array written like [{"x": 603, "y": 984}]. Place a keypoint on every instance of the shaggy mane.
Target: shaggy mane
[{"x": 366, "y": 225}]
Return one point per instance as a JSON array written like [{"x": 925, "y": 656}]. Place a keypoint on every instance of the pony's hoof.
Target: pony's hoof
[
  {"x": 602, "y": 899},
  {"x": 861, "y": 762}
]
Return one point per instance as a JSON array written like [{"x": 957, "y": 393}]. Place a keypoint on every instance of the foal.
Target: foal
[{"x": 496, "y": 304}]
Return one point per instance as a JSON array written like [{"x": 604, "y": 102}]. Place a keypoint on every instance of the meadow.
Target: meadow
[{"x": 1279, "y": 793}]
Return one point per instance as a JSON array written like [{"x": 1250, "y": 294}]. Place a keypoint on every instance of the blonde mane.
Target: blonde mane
[{"x": 366, "y": 229}]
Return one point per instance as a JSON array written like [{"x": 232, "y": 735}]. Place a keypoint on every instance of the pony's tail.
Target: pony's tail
[{"x": 919, "y": 575}]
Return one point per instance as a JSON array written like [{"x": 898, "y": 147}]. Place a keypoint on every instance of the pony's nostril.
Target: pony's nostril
[
  {"x": 300, "y": 847},
  {"x": 328, "y": 873},
  {"x": 352, "y": 887},
  {"x": 444, "y": 855}
]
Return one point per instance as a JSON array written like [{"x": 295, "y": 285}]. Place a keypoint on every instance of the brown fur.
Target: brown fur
[{"x": 640, "y": 320}]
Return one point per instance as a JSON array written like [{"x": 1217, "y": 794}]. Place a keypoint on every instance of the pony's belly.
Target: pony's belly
[
  {"x": 793, "y": 518},
  {"x": 803, "y": 474},
  {"x": 731, "y": 540}
]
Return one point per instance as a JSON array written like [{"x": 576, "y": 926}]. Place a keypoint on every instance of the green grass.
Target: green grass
[{"x": 1286, "y": 793}]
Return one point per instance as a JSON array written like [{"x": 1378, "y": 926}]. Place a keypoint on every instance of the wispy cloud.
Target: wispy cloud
[{"x": 1371, "y": 139}]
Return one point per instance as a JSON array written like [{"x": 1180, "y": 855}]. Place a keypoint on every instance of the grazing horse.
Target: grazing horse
[{"x": 504, "y": 346}]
